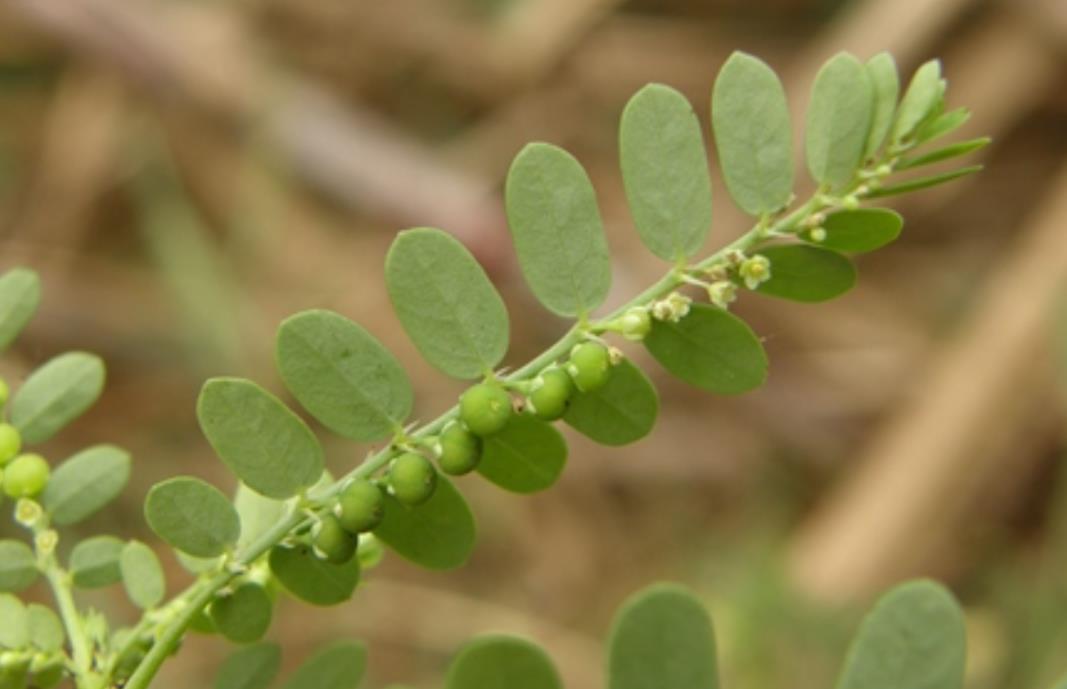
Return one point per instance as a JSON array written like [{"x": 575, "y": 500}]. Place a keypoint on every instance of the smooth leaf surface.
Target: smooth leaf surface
[
  {"x": 753, "y": 134},
  {"x": 18, "y": 566},
  {"x": 497, "y": 661},
  {"x": 860, "y": 230},
  {"x": 885, "y": 89},
  {"x": 192, "y": 516},
  {"x": 446, "y": 303},
  {"x": 142, "y": 575},
  {"x": 922, "y": 96},
  {"x": 56, "y": 394},
  {"x": 555, "y": 224},
  {"x": 839, "y": 119},
  {"x": 621, "y": 412},
  {"x": 711, "y": 349},
  {"x": 665, "y": 172},
  {"x": 15, "y": 631},
  {"x": 942, "y": 124},
  {"x": 94, "y": 562},
  {"x": 45, "y": 629},
  {"x": 438, "y": 534},
  {"x": 259, "y": 438},
  {"x": 339, "y": 666},
  {"x": 252, "y": 667},
  {"x": 20, "y": 294},
  {"x": 924, "y": 182},
  {"x": 257, "y": 513},
  {"x": 526, "y": 457},
  {"x": 311, "y": 579},
  {"x": 806, "y": 273},
  {"x": 85, "y": 483},
  {"x": 662, "y": 637},
  {"x": 243, "y": 615},
  {"x": 952, "y": 151}
]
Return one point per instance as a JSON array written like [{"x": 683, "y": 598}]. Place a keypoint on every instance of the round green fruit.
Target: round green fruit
[
  {"x": 412, "y": 479},
  {"x": 485, "y": 409},
  {"x": 10, "y": 443},
  {"x": 550, "y": 394},
  {"x": 458, "y": 450},
  {"x": 332, "y": 542},
  {"x": 360, "y": 507},
  {"x": 590, "y": 366},
  {"x": 26, "y": 476},
  {"x": 370, "y": 551}
]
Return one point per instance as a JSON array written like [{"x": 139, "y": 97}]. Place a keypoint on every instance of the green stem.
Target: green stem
[{"x": 59, "y": 581}]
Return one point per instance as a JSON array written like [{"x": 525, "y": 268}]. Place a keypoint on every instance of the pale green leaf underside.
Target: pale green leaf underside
[
  {"x": 85, "y": 483},
  {"x": 252, "y": 667},
  {"x": 807, "y": 274},
  {"x": 438, "y": 534},
  {"x": 257, "y": 513},
  {"x": 860, "y": 230},
  {"x": 339, "y": 666},
  {"x": 839, "y": 119},
  {"x": 885, "y": 89},
  {"x": 56, "y": 394},
  {"x": 192, "y": 516},
  {"x": 312, "y": 579},
  {"x": 621, "y": 412},
  {"x": 15, "y": 631},
  {"x": 18, "y": 566},
  {"x": 142, "y": 575},
  {"x": 920, "y": 99},
  {"x": 526, "y": 457},
  {"x": 494, "y": 662},
  {"x": 45, "y": 629},
  {"x": 243, "y": 615},
  {"x": 94, "y": 562},
  {"x": 945, "y": 123},
  {"x": 20, "y": 294}
]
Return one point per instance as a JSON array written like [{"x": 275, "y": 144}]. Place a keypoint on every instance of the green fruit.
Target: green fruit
[
  {"x": 458, "y": 450},
  {"x": 370, "y": 551},
  {"x": 412, "y": 478},
  {"x": 26, "y": 476},
  {"x": 485, "y": 408},
  {"x": 202, "y": 623},
  {"x": 360, "y": 507},
  {"x": 10, "y": 443},
  {"x": 332, "y": 542},
  {"x": 590, "y": 366},
  {"x": 550, "y": 394}
]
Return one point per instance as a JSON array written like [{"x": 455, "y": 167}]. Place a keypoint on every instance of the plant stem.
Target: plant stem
[{"x": 59, "y": 581}]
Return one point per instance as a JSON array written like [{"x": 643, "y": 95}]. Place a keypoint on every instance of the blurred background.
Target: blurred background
[{"x": 185, "y": 173}]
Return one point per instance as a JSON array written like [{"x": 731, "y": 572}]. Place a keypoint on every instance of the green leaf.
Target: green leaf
[
  {"x": 1062, "y": 684},
  {"x": 839, "y": 119},
  {"x": 446, "y": 303},
  {"x": 526, "y": 457},
  {"x": 311, "y": 579},
  {"x": 18, "y": 566},
  {"x": 952, "y": 151},
  {"x": 142, "y": 575},
  {"x": 921, "y": 98},
  {"x": 20, "y": 294},
  {"x": 945, "y": 123},
  {"x": 860, "y": 230},
  {"x": 885, "y": 89},
  {"x": 342, "y": 375},
  {"x": 662, "y": 637},
  {"x": 256, "y": 512},
  {"x": 258, "y": 437},
  {"x": 492, "y": 662},
  {"x": 192, "y": 516},
  {"x": 621, "y": 412},
  {"x": 665, "y": 172},
  {"x": 197, "y": 565},
  {"x": 438, "y": 534},
  {"x": 85, "y": 483},
  {"x": 94, "y": 562},
  {"x": 56, "y": 394},
  {"x": 753, "y": 134},
  {"x": 45, "y": 629},
  {"x": 806, "y": 273},
  {"x": 555, "y": 224},
  {"x": 711, "y": 349},
  {"x": 914, "y": 638},
  {"x": 339, "y": 666},
  {"x": 15, "y": 631},
  {"x": 243, "y": 616},
  {"x": 924, "y": 182},
  {"x": 252, "y": 667}
]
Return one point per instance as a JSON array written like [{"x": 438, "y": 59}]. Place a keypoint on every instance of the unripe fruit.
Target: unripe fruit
[
  {"x": 10, "y": 443},
  {"x": 332, "y": 542},
  {"x": 360, "y": 507},
  {"x": 590, "y": 366},
  {"x": 635, "y": 324},
  {"x": 26, "y": 476},
  {"x": 550, "y": 394},
  {"x": 485, "y": 408},
  {"x": 412, "y": 479},
  {"x": 370, "y": 551},
  {"x": 458, "y": 450}
]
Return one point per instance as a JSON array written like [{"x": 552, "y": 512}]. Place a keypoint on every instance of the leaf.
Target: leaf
[
  {"x": 753, "y": 134},
  {"x": 142, "y": 575},
  {"x": 952, "y": 151},
  {"x": 438, "y": 534},
  {"x": 1062, "y": 684},
  {"x": 197, "y": 565},
  {"x": 526, "y": 457},
  {"x": 922, "y": 96},
  {"x": 45, "y": 629},
  {"x": 446, "y": 303},
  {"x": 257, "y": 513},
  {"x": 860, "y": 230},
  {"x": 192, "y": 516},
  {"x": 339, "y": 666},
  {"x": 492, "y": 662},
  {"x": 313, "y": 580},
  {"x": 665, "y": 172},
  {"x": 15, "y": 631},
  {"x": 914, "y": 638},
  {"x": 662, "y": 637},
  {"x": 56, "y": 394},
  {"x": 711, "y": 349},
  {"x": 85, "y": 483},
  {"x": 839, "y": 119},
  {"x": 20, "y": 294},
  {"x": 885, "y": 89},
  {"x": 945, "y": 123},
  {"x": 806, "y": 273},
  {"x": 258, "y": 437},
  {"x": 342, "y": 375},
  {"x": 555, "y": 224},
  {"x": 924, "y": 182},
  {"x": 621, "y": 412},
  {"x": 252, "y": 667},
  {"x": 94, "y": 562},
  {"x": 243, "y": 616},
  {"x": 18, "y": 566}
]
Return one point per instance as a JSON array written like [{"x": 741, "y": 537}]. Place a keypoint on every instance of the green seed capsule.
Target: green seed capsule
[
  {"x": 550, "y": 394},
  {"x": 332, "y": 542},
  {"x": 590, "y": 366},
  {"x": 360, "y": 507},
  {"x": 485, "y": 408},
  {"x": 458, "y": 450},
  {"x": 370, "y": 551},
  {"x": 412, "y": 479},
  {"x": 26, "y": 476},
  {"x": 10, "y": 443}
]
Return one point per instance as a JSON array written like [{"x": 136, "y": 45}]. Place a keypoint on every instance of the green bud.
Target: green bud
[
  {"x": 360, "y": 506},
  {"x": 635, "y": 324},
  {"x": 589, "y": 366},
  {"x": 458, "y": 450},
  {"x": 722, "y": 293},
  {"x": 412, "y": 479},
  {"x": 10, "y": 443},
  {"x": 26, "y": 476},
  {"x": 485, "y": 408},
  {"x": 551, "y": 393},
  {"x": 331, "y": 542}
]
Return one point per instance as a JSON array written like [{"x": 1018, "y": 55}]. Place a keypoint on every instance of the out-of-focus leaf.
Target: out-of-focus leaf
[
  {"x": 885, "y": 89},
  {"x": 56, "y": 394},
  {"x": 20, "y": 294},
  {"x": 340, "y": 666},
  {"x": 252, "y": 667},
  {"x": 497, "y": 661}
]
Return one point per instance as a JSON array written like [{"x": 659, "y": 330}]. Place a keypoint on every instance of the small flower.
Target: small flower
[
  {"x": 28, "y": 512},
  {"x": 615, "y": 356},
  {"x": 46, "y": 542},
  {"x": 661, "y": 310},
  {"x": 722, "y": 293},
  {"x": 755, "y": 271},
  {"x": 716, "y": 272},
  {"x": 679, "y": 305}
]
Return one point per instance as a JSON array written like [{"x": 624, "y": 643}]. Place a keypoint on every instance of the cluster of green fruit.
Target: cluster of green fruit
[{"x": 22, "y": 475}]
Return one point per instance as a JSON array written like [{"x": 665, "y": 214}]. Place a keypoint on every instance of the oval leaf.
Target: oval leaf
[
  {"x": 18, "y": 566},
  {"x": 56, "y": 394},
  {"x": 192, "y": 516},
  {"x": 253, "y": 667},
  {"x": 914, "y": 638},
  {"x": 711, "y": 349},
  {"x": 621, "y": 412},
  {"x": 804, "y": 273},
  {"x": 243, "y": 616},
  {"x": 342, "y": 375},
  {"x": 339, "y": 666},
  {"x": 45, "y": 629},
  {"x": 85, "y": 483},
  {"x": 839, "y": 119},
  {"x": 446, "y": 303},
  {"x": 15, "y": 631},
  {"x": 20, "y": 294},
  {"x": 258, "y": 437},
  {"x": 923, "y": 94},
  {"x": 142, "y": 575},
  {"x": 951, "y": 151},
  {"x": 94, "y": 562},
  {"x": 753, "y": 134},
  {"x": 662, "y": 637},
  {"x": 945, "y": 123},
  {"x": 492, "y": 662},
  {"x": 438, "y": 534},
  {"x": 556, "y": 227},
  {"x": 885, "y": 89},
  {"x": 257, "y": 513},
  {"x": 665, "y": 172},
  {"x": 526, "y": 457},
  {"x": 311, "y": 579},
  {"x": 860, "y": 230}
]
